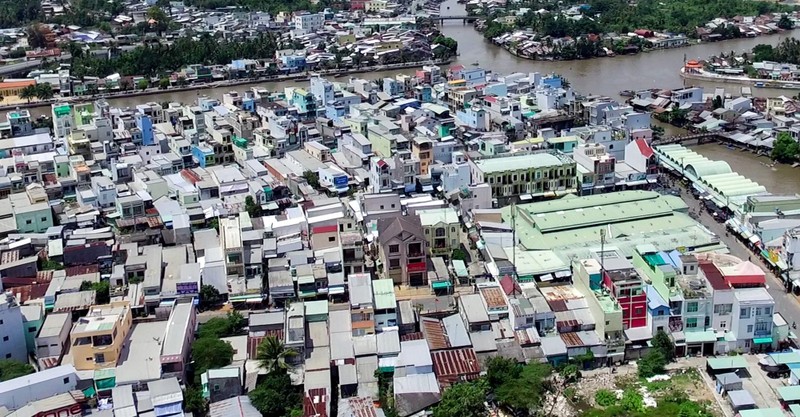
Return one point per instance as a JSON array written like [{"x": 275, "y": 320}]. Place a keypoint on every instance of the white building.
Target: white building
[
  {"x": 752, "y": 317},
  {"x": 12, "y": 332},
  {"x": 18, "y": 392},
  {"x": 305, "y": 23}
]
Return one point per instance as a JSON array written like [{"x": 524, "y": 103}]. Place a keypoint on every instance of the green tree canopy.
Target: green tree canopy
[
  {"x": 525, "y": 394},
  {"x": 272, "y": 354},
  {"x": 312, "y": 178},
  {"x": 785, "y": 148},
  {"x": 210, "y": 353},
  {"x": 194, "y": 402},
  {"x": 662, "y": 343},
  {"x": 209, "y": 296},
  {"x": 276, "y": 396},
  {"x": 10, "y": 369},
  {"x": 218, "y": 327},
  {"x": 465, "y": 399},
  {"x": 651, "y": 364},
  {"x": 102, "y": 290},
  {"x": 253, "y": 209}
]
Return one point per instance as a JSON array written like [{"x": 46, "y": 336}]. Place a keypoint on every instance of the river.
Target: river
[{"x": 605, "y": 76}]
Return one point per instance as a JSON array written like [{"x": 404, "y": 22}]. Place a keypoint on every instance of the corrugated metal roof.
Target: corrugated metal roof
[{"x": 451, "y": 366}]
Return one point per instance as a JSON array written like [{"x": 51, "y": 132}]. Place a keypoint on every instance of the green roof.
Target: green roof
[
  {"x": 522, "y": 162},
  {"x": 789, "y": 393},
  {"x": 383, "y": 289},
  {"x": 432, "y": 217},
  {"x": 795, "y": 409},
  {"x": 571, "y": 202},
  {"x": 727, "y": 362},
  {"x": 783, "y": 358},
  {"x": 762, "y": 412},
  {"x": 704, "y": 337},
  {"x": 460, "y": 267}
]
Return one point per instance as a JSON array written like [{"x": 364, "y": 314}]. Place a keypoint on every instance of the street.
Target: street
[{"x": 785, "y": 303}]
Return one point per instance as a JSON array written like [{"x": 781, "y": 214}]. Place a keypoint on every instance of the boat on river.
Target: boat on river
[
  {"x": 759, "y": 84},
  {"x": 791, "y": 86}
]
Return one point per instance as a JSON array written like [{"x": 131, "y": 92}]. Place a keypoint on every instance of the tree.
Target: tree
[
  {"x": 143, "y": 84},
  {"x": 210, "y": 353},
  {"x": 276, "y": 396},
  {"x": 525, "y": 394},
  {"x": 570, "y": 373},
  {"x": 28, "y": 92},
  {"x": 158, "y": 19},
  {"x": 101, "y": 289},
  {"x": 662, "y": 343},
  {"x": 464, "y": 399},
  {"x": 10, "y": 369},
  {"x": 218, "y": 327},
  {"x": 785, "y": 149},
  {"x": 651, "y": 364},
  {"x": 44, "y": 91},
  {"x": 181, "y": 81},
  {"x": 37, "y": 35},
  {"x": 272, "y": 354},
  {"x": 458, "y": 254},
  {"x": 312, "y": 178},
  {"x": 163, "y": 83},
  {"x": 124, "y": 85},
  {"x": 716, "y": 102},
  {"x": 500, "y": 370},
  {"x": 194, "y": 402},
  {"x": 253, "y": 209},
  {"x": 632, "y": 401},
  {"x": 785, "y": 23},
  {"x": 209, "y": 296}
]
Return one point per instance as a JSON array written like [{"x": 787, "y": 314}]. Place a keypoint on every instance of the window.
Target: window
[
  {"x": 99, "y": 357},
  {"x": 44, "y": 219},
  {"x": 31, "y": 329},
  {"x": 707, "y": 321},
  {"x": 66, "y": 380},
  {"x": 762, "y": 328},
  {"x": 394, "y": 248},
  {"x": 440, "y": 232},
  {"x": 691, "y": 307},
  {"x": 767, "y": 310},
  {"x": 28, "y": 221},
  {"x": 332, "y": 239},
  {"x": 744, "y": 313},
  {"x": 721, "y": 309},
  {"x": 638, "y": 311},
  {"x": 758, "y": 311},
  {"x": 749, "y": 328},
  {"x": 691, "y": 323},
  {"x": 8, "y": 356},
  {"x": 5, "y": 338},
  {"x": 394, "y": 263},
  {"x": 723, "y": 324}
]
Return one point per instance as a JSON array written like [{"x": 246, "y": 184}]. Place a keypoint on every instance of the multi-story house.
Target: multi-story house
[
  {"x": 12, "y": 330},
  {"x": 231, "y": 240},
  {"x": 97, "y": 339},
  {"x": 175, "y": 351},
  {"x": 401, "y": 250},
  {"x": 752, "y": 319},
  {"x": 587, "y": 279},
  {"x": 385, "y": 304},
  {"x": 362, "y": 307},
  {"x": 627, "y": 288},
  {"x": 538, "y": 174},
  {"x": 598, "y": 168},
  {"x": 442, "y": 230}
]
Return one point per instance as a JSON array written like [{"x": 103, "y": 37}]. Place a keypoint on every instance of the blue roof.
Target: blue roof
[
  {"x": 654, "y": 299},
  {"x": 675, "y": 259}
]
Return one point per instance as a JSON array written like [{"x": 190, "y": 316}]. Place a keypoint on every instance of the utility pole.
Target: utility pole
[{"x": 514, "y": 238}]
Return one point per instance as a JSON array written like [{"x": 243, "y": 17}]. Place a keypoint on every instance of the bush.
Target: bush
[
  {"x": 652, "y": 364},
  {"x": 605, "y": 398}
]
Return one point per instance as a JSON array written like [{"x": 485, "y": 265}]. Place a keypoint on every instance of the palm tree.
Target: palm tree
[
  {"x": 273, "y": 354},
  {"x": 44, "y": 91},
  {"x": 28, "y": 93}
]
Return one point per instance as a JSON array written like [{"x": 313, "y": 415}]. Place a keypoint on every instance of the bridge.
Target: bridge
[
  {"x": 464, "y": 18},
  {"x": 689, "y": 137}
]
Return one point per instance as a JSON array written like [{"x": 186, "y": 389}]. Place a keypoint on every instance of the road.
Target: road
[{"x": 785, "y": 303}]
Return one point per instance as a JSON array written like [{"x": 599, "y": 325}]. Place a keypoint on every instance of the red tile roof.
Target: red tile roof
[
  {"x": 254, "y": 341},
  {"x": 412, "y": 336},
  {"x": 361, "y": 407},
  {"x": 451, "y": 366},
  {"x": 434, "y": 334},
  {"x": 644, "y": 148},
  {"x": 81, "y": 270}
]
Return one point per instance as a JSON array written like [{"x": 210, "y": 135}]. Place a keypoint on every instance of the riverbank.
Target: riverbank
[
  {"x": 304, "y": 76},
  {"x": 703, "y": 75}
]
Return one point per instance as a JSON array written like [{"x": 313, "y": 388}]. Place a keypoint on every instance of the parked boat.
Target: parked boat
[
  {"x": 759, "y": 84},
  {"x": 791, "y": 86},
  {"x": 627, "y": 93}
]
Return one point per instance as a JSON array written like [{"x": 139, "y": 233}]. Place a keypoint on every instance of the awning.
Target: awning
[
  {"x": 634, "y": 183},
  {"x": 441, "y": 284},
  {"x": 547, "y": 277},
  {"x": 762, "y": 340},
  {"x": 427, "y": 188},
  {"x": 89, "y": 392},
  {"x": 701, "y": 337},
  {"x": 335, "y": 290},
  {"x": 755, "y": 239}
]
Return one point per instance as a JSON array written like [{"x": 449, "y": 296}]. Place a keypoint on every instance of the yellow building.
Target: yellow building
[
  {"x": 97, "y": 339},
  {"x": 14, "y": 88},
  {"x": 375, "y": 6}
]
